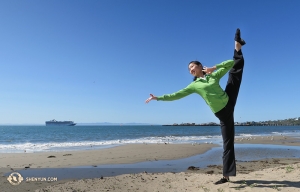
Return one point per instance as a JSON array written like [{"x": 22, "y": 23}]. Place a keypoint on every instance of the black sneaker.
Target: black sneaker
[
  {"x": 238, "y": 38},
  {"x": 221, "y": 181}
]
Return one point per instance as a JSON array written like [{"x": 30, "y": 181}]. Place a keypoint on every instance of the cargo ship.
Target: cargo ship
[{"x": 60, "y": 123}]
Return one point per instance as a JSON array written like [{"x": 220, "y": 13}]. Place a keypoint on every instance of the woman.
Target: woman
[{"x": 222, "y": 103}]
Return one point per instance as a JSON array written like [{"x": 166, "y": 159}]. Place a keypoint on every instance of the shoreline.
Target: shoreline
[
  {"x": 135, "y": 153},
  {"x": 126, "y": 154},
  {"x": 273, "y": 140},
  {"x": 236, "y": 125}
]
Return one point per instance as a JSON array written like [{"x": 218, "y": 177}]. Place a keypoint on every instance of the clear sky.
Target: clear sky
[{"x": 98, "y": 60}]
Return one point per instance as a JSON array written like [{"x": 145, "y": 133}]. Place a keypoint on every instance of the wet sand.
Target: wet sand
[
  {"x": 274, "y": 140},
  {"x": 131, "y": 153}
]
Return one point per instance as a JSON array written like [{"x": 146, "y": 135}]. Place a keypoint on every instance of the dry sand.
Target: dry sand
[
  {"x": 264, "y": 175},
  {"x": 284, "y": 178}
]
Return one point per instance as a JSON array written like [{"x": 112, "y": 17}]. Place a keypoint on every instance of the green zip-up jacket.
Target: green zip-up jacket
[{"x": 209, "y": 88}]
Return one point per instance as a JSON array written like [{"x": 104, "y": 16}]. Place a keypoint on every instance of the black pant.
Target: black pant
[{"x": 226, "y": 116}]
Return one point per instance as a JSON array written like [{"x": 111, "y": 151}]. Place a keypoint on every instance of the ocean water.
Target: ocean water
[{"x": 16, "y": 139}]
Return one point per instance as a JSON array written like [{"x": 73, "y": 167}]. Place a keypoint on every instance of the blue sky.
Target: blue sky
[{"x": 98, "y": 60}]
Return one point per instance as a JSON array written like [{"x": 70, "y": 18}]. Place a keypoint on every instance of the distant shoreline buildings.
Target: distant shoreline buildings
[{"x": 285, "y": 122}]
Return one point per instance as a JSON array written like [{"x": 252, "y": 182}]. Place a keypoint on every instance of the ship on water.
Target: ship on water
[{"x": 60, "y": 123}]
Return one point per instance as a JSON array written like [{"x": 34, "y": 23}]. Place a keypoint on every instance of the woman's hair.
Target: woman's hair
[{"x": 197, "y": 63}]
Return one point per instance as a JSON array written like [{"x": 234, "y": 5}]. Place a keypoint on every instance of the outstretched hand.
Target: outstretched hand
[
  {"x": 208, "y": 70},
  {"x": 152, "y": 97}
]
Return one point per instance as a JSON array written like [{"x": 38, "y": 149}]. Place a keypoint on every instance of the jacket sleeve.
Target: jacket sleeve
[
  {"x": 177, "y": 95},
  {"x": 223, "y": 68}
]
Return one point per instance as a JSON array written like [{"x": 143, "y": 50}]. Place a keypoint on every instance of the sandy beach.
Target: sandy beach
[
  {"x": 131, "y": 153},
  {"x": 262, "y": 175},
  {"x": 284, "y": 178}
]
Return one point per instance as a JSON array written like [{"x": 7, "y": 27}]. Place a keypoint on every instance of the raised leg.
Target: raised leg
[{"x": 236, "y": 73}]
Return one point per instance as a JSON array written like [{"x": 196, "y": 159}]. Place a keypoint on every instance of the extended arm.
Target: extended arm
[
  {"x": 223, "y": 68},
  {"x": 174, "y": 96},
  {"x": 177, "y": 95}
]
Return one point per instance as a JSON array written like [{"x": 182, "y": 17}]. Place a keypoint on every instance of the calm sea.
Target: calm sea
[{"x": 16, "y": 139}]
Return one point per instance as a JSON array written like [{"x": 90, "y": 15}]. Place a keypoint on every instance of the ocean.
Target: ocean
[{"x": 17, "y": 139}]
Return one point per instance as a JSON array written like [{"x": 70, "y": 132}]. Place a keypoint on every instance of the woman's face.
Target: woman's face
[{"x": 195, "y": 70}]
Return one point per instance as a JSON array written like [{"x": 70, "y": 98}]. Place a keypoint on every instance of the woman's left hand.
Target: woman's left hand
[{"x": 208, "y": 70}]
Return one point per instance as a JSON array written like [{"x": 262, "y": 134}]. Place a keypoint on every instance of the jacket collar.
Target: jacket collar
[{"x": 202, "y": 78}]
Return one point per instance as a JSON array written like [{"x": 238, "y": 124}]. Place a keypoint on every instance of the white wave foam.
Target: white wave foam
[{"x": 247, "y": 135}]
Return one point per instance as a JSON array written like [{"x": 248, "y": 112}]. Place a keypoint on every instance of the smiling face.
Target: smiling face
[{"x": 195, "y": 69}]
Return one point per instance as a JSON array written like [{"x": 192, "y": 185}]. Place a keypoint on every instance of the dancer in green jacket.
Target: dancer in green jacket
[{"x": 221, "y": 102}]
